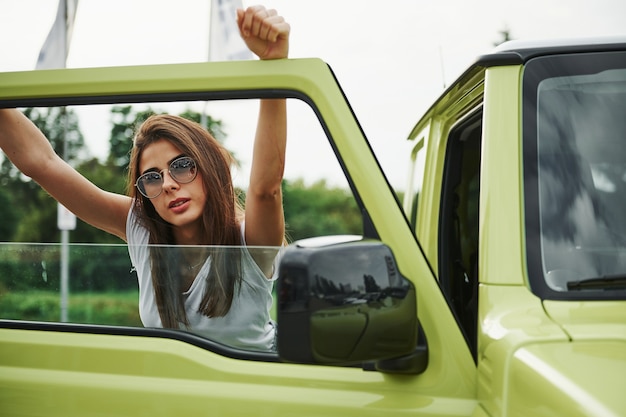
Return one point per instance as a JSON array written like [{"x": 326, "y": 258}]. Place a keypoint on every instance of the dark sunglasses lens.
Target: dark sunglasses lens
[
  {"x": 150, "y": 184},
  {"x": 183, "y": 170}
]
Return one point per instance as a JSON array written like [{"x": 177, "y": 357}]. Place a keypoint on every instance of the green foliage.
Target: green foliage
[
  {"x": 215, "y": 127},
  {"x": 20, "y": 190},
  {"x": 22, "y": 276},
  {"x": 9, "y": 216},
  {"x": 108, "y": 177},
  {"x": 60, "y": 126},
  {"x": 101, "y": 268},
  {"x": 125, "y": 121},
  {"x": 25, "y": 267},
  {"x": 38, "y": 222},
  {"x": 119, "y": 308},
  {"x": 102, "y": 289},
  {"x": 36, "y": 217},
  {"x": 30, "y": 306},
  {"x": 319, "y": 210}
]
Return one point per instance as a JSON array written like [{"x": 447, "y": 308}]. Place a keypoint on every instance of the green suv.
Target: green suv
[{"x": 494, "y": 284}]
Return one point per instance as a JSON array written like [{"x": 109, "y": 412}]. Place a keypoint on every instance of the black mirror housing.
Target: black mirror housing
[{"x": 343, "y": 301}]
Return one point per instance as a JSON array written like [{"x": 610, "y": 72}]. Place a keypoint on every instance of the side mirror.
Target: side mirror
[{"x": 343, "y": 301}]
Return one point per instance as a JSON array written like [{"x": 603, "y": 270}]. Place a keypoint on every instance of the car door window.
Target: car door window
[{"x": 90, "y": 279}]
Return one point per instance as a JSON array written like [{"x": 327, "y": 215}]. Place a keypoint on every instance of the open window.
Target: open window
[
  {"x": 416, "y": 179},
  {"x": 90, "y": 280},
  {"x": 458, "y": 225}
]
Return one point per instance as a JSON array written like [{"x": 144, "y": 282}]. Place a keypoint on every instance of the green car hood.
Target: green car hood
[
  {"x": 585, "y": 376},
  {"x": 590, "y": 320},
  {"x": 569, "y": 379}
]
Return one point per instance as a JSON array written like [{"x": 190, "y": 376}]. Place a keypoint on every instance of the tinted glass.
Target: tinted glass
[{"x": 575, "y": 174}]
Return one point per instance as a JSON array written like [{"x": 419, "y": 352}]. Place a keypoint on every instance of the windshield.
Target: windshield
[{"x": 575, "y": 174}]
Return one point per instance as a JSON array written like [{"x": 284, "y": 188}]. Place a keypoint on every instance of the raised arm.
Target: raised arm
[
  {"x": 30, "y": 151},
  {"x": 267, "y": 35}
]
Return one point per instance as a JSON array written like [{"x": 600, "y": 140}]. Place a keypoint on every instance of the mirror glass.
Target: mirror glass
[{"x": 347, "y": 302}]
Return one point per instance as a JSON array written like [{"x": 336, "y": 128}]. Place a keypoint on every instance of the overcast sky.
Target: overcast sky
[{"x": 392, "y": 57}]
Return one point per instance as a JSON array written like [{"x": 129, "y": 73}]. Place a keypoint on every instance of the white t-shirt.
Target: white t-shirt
[{"x": 247, "y": 324}]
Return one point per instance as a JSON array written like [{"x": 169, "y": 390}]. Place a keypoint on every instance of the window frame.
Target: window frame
[{"x": 368, "y": 229}]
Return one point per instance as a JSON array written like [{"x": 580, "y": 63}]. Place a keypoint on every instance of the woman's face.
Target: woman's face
[{"x": 179, "y": 204}]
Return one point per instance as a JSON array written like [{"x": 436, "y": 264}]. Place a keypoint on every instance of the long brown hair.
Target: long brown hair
[{"x": 220, "y": 219}]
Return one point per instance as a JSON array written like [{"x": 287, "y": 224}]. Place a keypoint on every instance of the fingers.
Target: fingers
[
  {"x": 264, "y": 31},
  {"x": 257, "y": 21}
]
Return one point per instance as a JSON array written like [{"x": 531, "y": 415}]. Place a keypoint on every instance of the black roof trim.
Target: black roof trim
[
  {"x": 519, "y": 52},
  {"x": 499, "y": 59}
]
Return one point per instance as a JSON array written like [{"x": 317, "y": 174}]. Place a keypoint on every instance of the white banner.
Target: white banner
[
  {"x": 66, "y": 220},
  {"x": 54, "y": 51},
  {"x": 225, "y": 43}
]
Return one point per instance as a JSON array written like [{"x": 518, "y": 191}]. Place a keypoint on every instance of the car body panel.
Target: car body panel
[
  {"x": 532, "y": 356},
  {"x": 578, "y": 378},
  {"x": 69, "y": 373}
]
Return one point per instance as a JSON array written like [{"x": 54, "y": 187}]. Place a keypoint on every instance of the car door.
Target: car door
[{"x": 112, "y": 365}]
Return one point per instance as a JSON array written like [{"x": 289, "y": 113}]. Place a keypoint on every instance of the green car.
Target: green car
[{"x": 494, "y": 284}]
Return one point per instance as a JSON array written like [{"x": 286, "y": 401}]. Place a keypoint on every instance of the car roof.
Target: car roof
[{"x": 520, "y": 51}]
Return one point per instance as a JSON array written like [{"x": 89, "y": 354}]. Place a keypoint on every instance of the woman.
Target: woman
[{"x": 181, "y": 194}]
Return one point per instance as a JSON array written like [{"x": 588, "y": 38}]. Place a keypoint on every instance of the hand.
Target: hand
[{"x": 265, "y": 32}]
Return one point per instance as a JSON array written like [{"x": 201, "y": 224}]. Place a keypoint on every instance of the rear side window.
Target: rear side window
[{"x": 458, "y": 223}]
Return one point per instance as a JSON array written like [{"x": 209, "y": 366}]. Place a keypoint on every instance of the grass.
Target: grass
[
  {"x": 107, "y": 308},
  {"x": 111, "y": 308}
]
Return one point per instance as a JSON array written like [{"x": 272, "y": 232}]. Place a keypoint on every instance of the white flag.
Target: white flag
[
  {"x": 54, "y": 51},
  {"x": 225, "y": 43},
  {"x": 66, "y": 220}
]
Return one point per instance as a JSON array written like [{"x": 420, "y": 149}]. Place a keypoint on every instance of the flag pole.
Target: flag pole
[
  {"x": 53, "y": 54},
  {"x": 204, "y": 120},
  {"x": 225, "y": 43}
]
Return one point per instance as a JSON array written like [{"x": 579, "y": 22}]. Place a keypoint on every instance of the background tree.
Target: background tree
[
  {"x": 36, "y": 217},
  {"x": 106, "y": 176},
  {"x": 60, "y": 125},
  {"x": 319, "y": 210},
  {"x": 314, "y": 210},
  {"x": 505, "y": 35},
  {"x": 9, "y": 216},
  {"x": 126, "y": 119}
]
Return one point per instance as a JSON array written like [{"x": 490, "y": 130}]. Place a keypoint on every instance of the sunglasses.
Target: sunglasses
[{"x": 182, "y": 170}]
